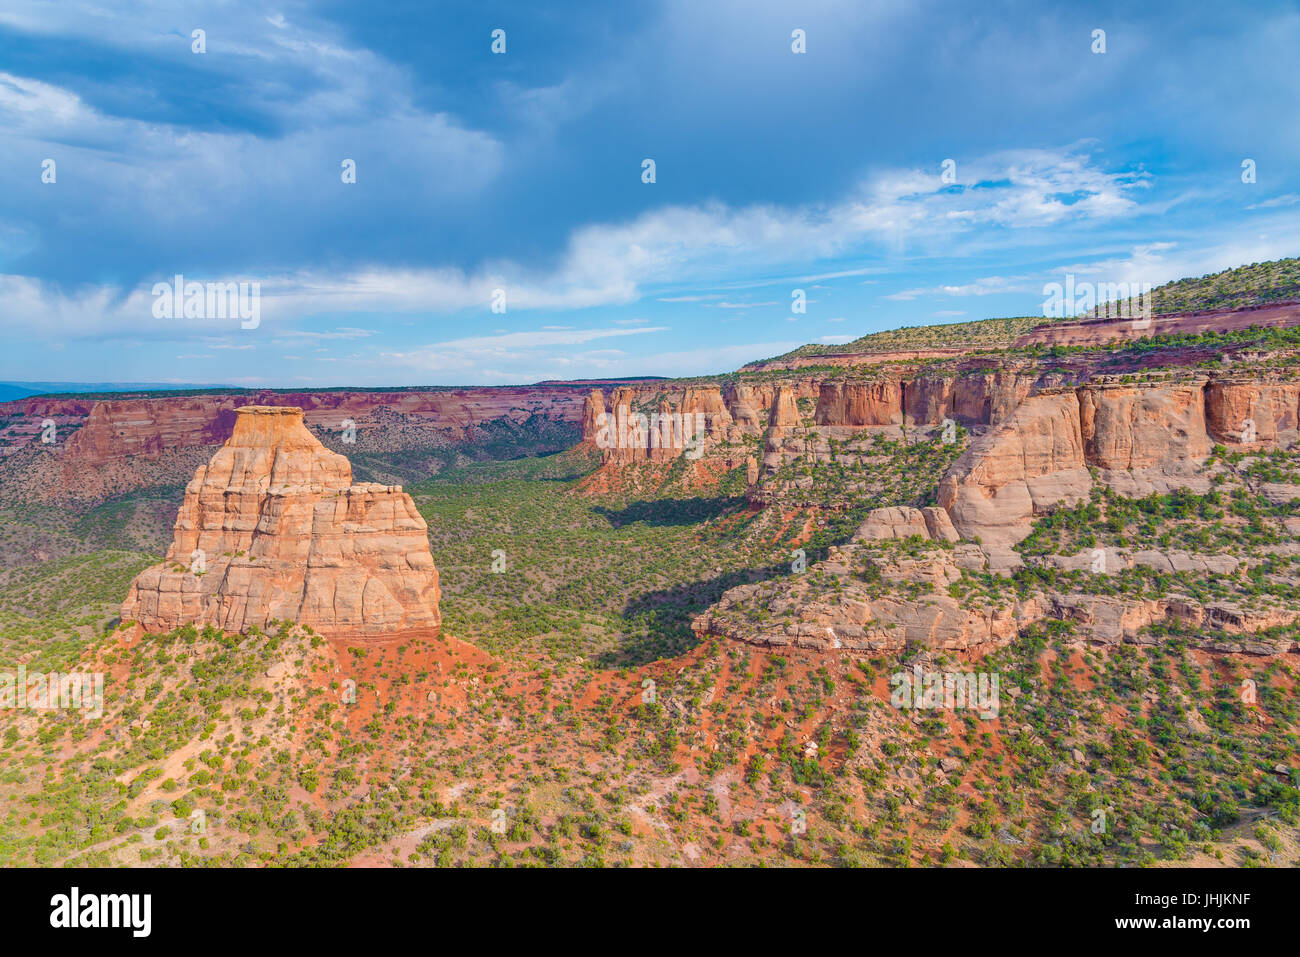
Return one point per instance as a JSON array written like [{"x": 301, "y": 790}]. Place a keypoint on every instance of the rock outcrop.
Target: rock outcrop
[
  {"x": 1140, "y": 439},
  {"x": 593, "y": 415},
  {"x": 1033, "y": 460},
  {"x": 902, "y": 600},
  {"x": 747, "y": 405},
  {"x": 860, "y": 617},
  {"x": 1251, "y": 411},
  {"x": 1098, "y": 331},
  {"x": 890, "y": 586},
  {"x": 683, "y": 422},
  {"x": 860, "y": 403},
  {"x": 272, "y": 529},
  {"x": 1136, "y": 427}
]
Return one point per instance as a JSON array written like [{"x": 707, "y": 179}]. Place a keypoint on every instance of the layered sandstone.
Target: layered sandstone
[
  {"x": 747, "y": 406},
  {"x": 1141, "y": 427},
  {"x": 784, "y": 413},
  {"x": 1245, "y": 411},
  {"x": 1033, "y": 460},
  {"x": 1140, "y": 439},
  {"x": 272, "y": 529},
  {"x": 1050, "y": 449},
  {"x": 119, "y": 428},
  {"x": 657, "y": 425},
  {"x": 103, "y": 448},
  {"x": 863, "y": 617},
  {"x": 860, "y": 403}
]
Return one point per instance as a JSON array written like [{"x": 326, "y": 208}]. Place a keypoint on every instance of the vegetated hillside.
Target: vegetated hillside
[
  {"x": 974, "y": 336},
  {"x": 1245, "y": 286},
  {"x": 284, "y": 749},
  {"x": 1254, "y": 285}
]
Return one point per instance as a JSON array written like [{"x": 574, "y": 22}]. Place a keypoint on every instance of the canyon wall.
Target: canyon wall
[
  {"x": 1140, "y": 439},
  {"x": 119, "y": 428},
  {"x": 892, "y": 399},
  {"x": 61, "y": 450},
  {"x": 657, "y": 424},
  {"x": 1039, "y": 439}
]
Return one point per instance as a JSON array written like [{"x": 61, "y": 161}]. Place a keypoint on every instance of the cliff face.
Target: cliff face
[
  {"x": 1140, "y": 438},
  {"x": 1235, "y": 410},
  {"x": 1032, "y": 460},
  {"x": 1129, "y": 427},
  {"x": 678, "y": 422},
  {"x": 272, "y": 528},
  {"x": 895, "y": 397},
  {"x": 860, "y": 403},
  {"x": 890, "y": 400}
]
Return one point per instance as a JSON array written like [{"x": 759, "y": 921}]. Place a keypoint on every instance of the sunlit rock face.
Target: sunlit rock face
[{"x": 272, "y": 529}]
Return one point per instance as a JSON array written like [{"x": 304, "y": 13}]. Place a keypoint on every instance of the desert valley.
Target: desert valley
[{"x": 1011, "y": 591}]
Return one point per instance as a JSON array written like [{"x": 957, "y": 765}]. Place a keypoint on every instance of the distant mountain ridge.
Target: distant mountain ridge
[{"x": 15, "y": 389}]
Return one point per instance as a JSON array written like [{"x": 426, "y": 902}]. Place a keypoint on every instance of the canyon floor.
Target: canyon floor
[{"x": 524, "y": 734}]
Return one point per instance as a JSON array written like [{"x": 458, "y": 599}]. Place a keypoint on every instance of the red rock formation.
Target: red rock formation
[
  {"x": 988, "y": 398},
  {"x": 1142, "y": 427},
  {"x": 928, "y": 400},
  {"x": 122, "y": 427},
  {"x": 785, "y": 410},
  {"x": 745, "y": 403},
  {"x": 272, "y": 529},
  {"x": 856, "y": 617},
  {"x": 108, "y": 447},
  {"x": 892, "y": 521},
  {"x": 593, "y": 415},
  {"x": 1236, "y": 410},
  {"x": 115, "y": 429},
  {"x": 1141, "y": 438},
  {"x": 1033, "y": 460},
  {"x": 860, "y": 403},
  {"x": 709, "y": 402},
  {"x": 852, "y": 359},
  {"x": 683, "y": 423}
]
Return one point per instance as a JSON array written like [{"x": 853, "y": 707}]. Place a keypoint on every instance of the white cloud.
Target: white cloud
[
  {"x": 611, "y": 263},
  {"x": 547, "y": 336},
  {"x": 988, "y": 286},
  {"x": 1287, "y": 199}
]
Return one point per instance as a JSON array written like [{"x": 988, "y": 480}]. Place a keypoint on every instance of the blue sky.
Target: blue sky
[{"x": 522, "y": 171}]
